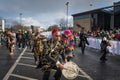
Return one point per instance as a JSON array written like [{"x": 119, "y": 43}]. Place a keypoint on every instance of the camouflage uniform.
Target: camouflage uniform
[
  {"x": 54, "y": 52},
  {"x": 38, "y": 46}
]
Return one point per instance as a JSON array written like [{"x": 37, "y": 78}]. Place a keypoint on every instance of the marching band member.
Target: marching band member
[
  {"x": 11, "y": 43},
  {"x": 68, "y": 39},
  {"x": 54, "y": 49},
  {"x": 38, "y": 46}
]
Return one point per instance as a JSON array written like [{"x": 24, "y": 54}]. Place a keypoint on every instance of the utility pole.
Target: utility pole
[
  {"x": 20, "y": 19},
  {"x": 67, "y": 13}
]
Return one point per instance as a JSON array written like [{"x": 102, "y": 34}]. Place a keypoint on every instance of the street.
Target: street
[{"x": 22, "y": 66}]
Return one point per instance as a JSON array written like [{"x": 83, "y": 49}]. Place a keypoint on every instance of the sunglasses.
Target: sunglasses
[
  {"x": 57, "y": 35},
  {"x": 67, "y": 35}
]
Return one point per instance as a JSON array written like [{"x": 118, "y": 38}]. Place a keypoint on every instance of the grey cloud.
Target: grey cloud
[
  {"x": 35, "y": 7},
  {"x": 48, "y": 11}
]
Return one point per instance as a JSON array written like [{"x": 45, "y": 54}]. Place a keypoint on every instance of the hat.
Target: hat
[
  {"x": 55, "y": 30},
  {"x": 68, "y": 32}
]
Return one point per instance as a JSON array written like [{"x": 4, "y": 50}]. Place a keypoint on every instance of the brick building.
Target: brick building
[{"x": 103, "y": 18}]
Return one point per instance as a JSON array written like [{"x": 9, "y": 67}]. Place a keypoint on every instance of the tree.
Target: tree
[
  {"x": 62, "y": 23},
  {"x": 50, "y": 28}
]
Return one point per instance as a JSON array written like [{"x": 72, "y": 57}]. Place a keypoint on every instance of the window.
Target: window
[{"x": 82, "y": 17}]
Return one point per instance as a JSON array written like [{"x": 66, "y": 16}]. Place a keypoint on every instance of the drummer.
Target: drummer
[{"x": 54, "y": 49}]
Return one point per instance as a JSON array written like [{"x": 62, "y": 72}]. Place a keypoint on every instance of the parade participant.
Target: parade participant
[
  {"x": 29, "y": 38},
  {"x": 2, "y": 35},
  {"x": 68, "y": 39},
  {"x": 104, "y": 44},
  {"x": 19, "y": 38},
  {"x": 11, "y": 43},
  {"x": 38, "y": 46},
  {"x": 52, "y": 59},
  {"x": 83, "y": 40},
  {"x": 75, "y": 38}
]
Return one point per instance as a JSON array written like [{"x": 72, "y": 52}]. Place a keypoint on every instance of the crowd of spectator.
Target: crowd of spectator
[{"x": 111, "y": 34}]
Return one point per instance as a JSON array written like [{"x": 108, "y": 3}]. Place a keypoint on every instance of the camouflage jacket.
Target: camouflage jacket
[
  {"x": 54, "y": 52},
  {"x": 38, "y": 45}
]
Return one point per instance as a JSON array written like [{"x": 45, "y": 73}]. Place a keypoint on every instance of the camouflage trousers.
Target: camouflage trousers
[{"x": 37, "y": 51}]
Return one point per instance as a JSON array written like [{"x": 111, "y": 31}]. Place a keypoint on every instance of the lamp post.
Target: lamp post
[
  {"x": 91, "y": 18},
  {"x": 67, "y": 14},
  {"x": 20, "y": 19}
]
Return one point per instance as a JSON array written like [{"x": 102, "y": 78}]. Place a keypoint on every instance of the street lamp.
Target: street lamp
[
  {"x": 67, "y": 13},
  {"x": 20, "y": 19}
]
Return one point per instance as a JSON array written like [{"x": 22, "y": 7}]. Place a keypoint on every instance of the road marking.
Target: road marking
[
  {"x": 85, "y": 74},
  {"x": 27, "y": 78},
  {"x": 23, "y": 77},
  {"x": 27, "y": 65},
  {"x": 14, "y": 65},
  {"x": 30, "y": 53},
  {"x": 27, "y": 57}
]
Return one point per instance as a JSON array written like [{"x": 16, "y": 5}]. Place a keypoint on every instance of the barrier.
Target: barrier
[
  {"x": 95, "y": 43},
  {"x": 114, "y": 49}
]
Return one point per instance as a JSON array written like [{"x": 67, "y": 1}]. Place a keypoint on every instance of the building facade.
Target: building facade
[
  {"x": 104, "y": 18},
  {"x": 2, "y": 25},
  {"x": 117, "y": 14}
]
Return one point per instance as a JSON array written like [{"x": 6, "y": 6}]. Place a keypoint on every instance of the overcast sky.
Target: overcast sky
[{"x": 47, "y": 12}]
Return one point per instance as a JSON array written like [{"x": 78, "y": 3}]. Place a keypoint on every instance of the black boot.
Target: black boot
[
  {"x": 40, "y": 64},
  {"x": 35, "y": 57}
]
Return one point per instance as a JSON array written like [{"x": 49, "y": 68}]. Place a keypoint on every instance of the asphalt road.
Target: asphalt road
[{"x": 22, "y": 66}]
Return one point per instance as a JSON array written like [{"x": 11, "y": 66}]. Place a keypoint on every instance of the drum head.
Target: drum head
[{"x": 71, "y": 70}]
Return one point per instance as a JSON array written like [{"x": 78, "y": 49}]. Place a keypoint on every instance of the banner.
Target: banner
[
  {"x": 95, "y": 43},
  {"x": 114, "y": 49}
]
